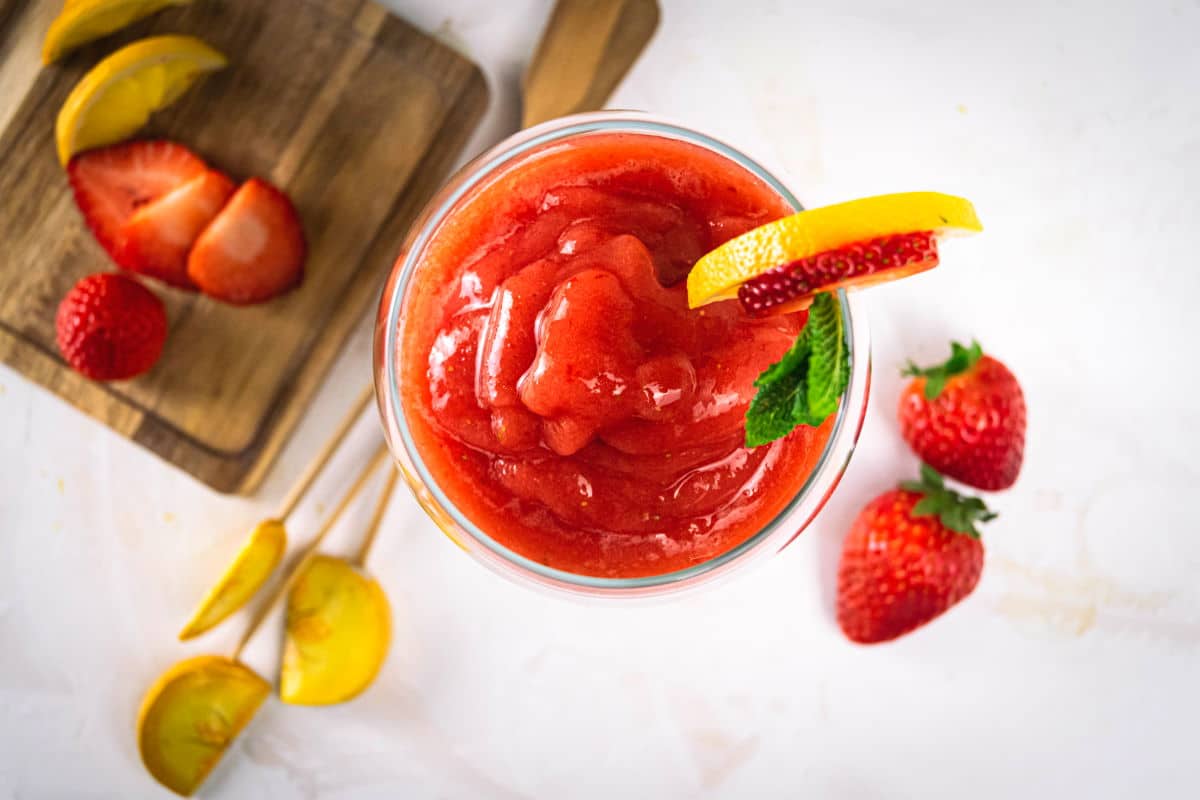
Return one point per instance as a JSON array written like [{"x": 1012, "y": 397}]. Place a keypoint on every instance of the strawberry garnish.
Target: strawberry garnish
[
  {"x": 792, "y": 285},
  {"x": 911, "y": 554},
  {"x": 253, "y": 250},
  {"x": 156, "y": 239},
  {"x": 110, "y": 327},
  {"x": 966, "y": 418},
  {"x": 111, "y": 183},
  {"x": 788, "y": 261}
]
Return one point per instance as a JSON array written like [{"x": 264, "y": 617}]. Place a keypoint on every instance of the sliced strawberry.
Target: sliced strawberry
[
  {"x": 155, "y": 241},
  {"x": 791, "y": 286},
  {"x": 253, "y": 250},
  {"x": 111, "y": 183}
]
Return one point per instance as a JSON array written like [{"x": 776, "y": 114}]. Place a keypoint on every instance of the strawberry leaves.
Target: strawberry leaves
[
  {"x": 961, "y": 359},
  {"x": 805, "y": 386},
  {"x": 956, "y": 512}
]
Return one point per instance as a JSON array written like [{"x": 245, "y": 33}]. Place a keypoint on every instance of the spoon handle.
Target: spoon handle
[{"x": 585, "y": 51}]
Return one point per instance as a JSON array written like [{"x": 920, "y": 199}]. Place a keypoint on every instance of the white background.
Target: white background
[{"x": 1071, "y": 671}]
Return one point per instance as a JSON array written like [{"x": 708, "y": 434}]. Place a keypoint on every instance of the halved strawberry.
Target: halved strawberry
[
  {"x": 253, "y": 250},
  {"x": 111, "y": 183},
  {"x": 155, "y": 241}
]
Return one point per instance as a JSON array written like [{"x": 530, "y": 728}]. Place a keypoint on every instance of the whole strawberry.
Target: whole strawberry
[
  {"x": 911, "y": 554},
  {"x": 110, "y": 327},
  {"x": 966, "y": 418}
]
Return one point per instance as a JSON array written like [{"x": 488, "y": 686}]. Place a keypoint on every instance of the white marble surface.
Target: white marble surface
[{"x": 1071, "y": 671}]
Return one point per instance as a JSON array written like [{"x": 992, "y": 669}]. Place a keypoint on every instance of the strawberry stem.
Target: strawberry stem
[
  {"x": 956, "y": 512},
  {"x": 961, "y": 359}
]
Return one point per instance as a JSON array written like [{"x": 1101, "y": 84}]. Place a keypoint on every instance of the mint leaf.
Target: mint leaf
[
  {"x": 829, "y": 364},
  {"x": 772, "y": 412},
  {"x": 794, "y": 361},
  {"x": 771, "y": 415},
  {"x": 803, "y": 387}
]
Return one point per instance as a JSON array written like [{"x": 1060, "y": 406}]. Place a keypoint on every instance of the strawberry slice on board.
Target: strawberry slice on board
[
  {"x": 156, "y": 240},
  {"x": 111, "y": 183},
  {"x": 253, "y": 250}
]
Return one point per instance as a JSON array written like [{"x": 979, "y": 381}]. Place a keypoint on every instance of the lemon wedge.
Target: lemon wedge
[
  {"x": 83, "y": 21},
  {"x": 338, "y": 628},
  {"x": 249, "y": 570},
  {"x": 119, "y": 94},
  {"x": 191, "y": 714},
  {"x": 717, "y": 275}
]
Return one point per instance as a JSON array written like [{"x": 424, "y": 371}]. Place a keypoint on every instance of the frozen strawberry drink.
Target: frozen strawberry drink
[{"x": 553, "y": 385}]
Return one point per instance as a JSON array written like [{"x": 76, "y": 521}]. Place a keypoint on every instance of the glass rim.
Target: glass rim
[{"x": 834, "y": 456}]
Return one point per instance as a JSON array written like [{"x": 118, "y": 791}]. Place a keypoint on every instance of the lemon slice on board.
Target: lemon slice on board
[
  {"x": 191, "y": 714},
  {"x": 338, "y": 628},
  {"x": 119, "y": 94},
  {"x": 808, "y": 234},
  {"x": 249, "y": 570},
  {"x": 83, "y": 21}
]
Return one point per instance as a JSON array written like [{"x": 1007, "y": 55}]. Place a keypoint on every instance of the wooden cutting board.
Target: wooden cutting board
[{"x": 355, "y": 113}]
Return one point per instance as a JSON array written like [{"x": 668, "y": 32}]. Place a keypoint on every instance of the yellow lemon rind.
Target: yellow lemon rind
[
  {"x": 84, "y": 21},
  {"x": 337, "y": 634},
  {"x": 242, "y": 579},
  {"x": 717, "y": 275},
  {"x": 194, "y": 675},
  {"x": 136, "y": 60}
]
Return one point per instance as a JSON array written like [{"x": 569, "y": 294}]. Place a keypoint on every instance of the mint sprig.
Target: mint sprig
[
  {"x": 961, "y": 359},
  {"x": 805, "y": 386},
  {"x": 956, "y": 512}
]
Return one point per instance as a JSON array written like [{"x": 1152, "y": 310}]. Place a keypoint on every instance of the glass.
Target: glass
[{"x": 771, "y": 539}]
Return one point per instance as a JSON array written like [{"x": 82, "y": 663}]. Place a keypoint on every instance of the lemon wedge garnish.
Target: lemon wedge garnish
[
  {"x": 717, "y": 275},
  {"x": 119, "y": 94},
  {"x": 191, "y": 714},
  {"x": 249, "y": 570},
  {"x": 338, "y": 628},
  {"x": 83, "y": 21}
]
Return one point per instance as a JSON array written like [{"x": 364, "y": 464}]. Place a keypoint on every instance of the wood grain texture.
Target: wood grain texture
[
  {"x": 585, "y": 51},
  {"x": 355, "y": 113}
]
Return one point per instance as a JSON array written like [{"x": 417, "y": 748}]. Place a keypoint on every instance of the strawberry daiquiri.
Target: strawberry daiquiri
[{"x": 557, "y": 386}]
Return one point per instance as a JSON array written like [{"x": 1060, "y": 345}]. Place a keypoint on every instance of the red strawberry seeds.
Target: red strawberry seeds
[
  {"x": 110, "y": 327},
  {"x": 864, "y": 262}
]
